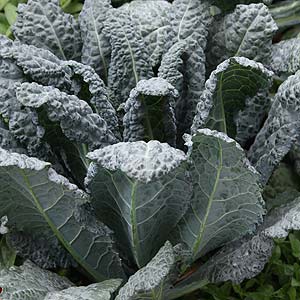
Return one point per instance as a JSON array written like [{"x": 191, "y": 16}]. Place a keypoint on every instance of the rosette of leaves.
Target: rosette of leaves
[{"x": 123, "y": 156}]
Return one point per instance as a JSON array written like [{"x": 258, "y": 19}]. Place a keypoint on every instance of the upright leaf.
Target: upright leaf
[
  {"x": 40, "y": 202},
  {"x": 96, "y": 291},
  {"x": 29, "y": 282},
  {"x": 152, "y": 17},
  {"x": 96, "y": 47},
  {"x": 129, "y": 57},
  {"x": 43, "y": 23},
  {"x": 226, "y": 202},
  {"x": 149, "y": 112},
  {"x": 189, "y": 21},
  {"x": 246, "y": 32},
  {"x": 184, "y": 57},
  {"x": 227, "y": 93},
  {"x": 140, "y": 190},
  {"x": 280, "y": 131},
  {"x": 173, "y": 64}
]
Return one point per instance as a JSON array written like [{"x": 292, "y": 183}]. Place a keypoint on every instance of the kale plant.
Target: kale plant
[{"x": 136, "y": 144}]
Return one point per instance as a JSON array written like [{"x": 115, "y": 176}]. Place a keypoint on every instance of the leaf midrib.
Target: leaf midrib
[
  {"x": 134, "y": 229},
  {"x": 181, "y": 21},
  {"x": 54, "y": 32},
  {"x": 136, "y": 77},
  {"x": 100, "y": 48},
  {"x": 245, "y": 35},
  {"x": 56, "y": 231},
  {"x": 210, "y": 201}
]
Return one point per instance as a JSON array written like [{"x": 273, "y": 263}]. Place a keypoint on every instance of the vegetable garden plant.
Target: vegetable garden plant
[{"x": 139, "y": 144}]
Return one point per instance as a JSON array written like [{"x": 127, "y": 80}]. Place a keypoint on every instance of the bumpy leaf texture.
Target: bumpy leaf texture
[
  {"x": 285, "y": 58},
  {"x": 99, "y": 99},
  {"x": 129, "y": 56},
  {"x": 40, "y": 202},
  {"x": 240, "y": 260},
  {"x": 226, "y": 202},
  {"x": 183, "y": 64},
  {"x": 281, "y": 220},
  {"x": 280, "y": 131},
  {"x": 22, "y": 122},
  {"x": 77, "y": 120},
  {"x": 250, "y": 120},
  {"x": 7, "y": 139},
  {"x": 140, "y": 190},
  {"x": 154, "y": 280},
  {"x": 152, "y": 18},
  {"x": 43, "y": 23},
  {"x": 97, "y": 291},
  {"x": 29, "y": 282},
  {"x": 42, "y": 252},
  {"x": 96, "y": 48},
  {"x": 246, "y": 32}
]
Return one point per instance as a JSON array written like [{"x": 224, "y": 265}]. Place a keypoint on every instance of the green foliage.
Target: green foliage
[
  {"x": 139, "y": 143},
  {"x": 279, "y": 280}
]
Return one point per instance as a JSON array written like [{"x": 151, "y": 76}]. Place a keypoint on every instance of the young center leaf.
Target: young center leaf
[{"x": 149, "y": 112}]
